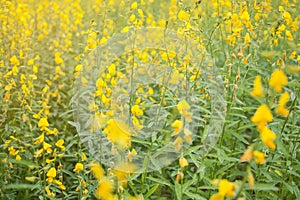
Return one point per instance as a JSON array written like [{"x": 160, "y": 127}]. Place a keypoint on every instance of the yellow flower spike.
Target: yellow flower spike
[
  {"x": 262, "y": 116},
  {"x": 268, "y": 137},
  {"x": 97, "y": 170},
  {"x": 183, "y": 162},
  {"x": 259, "y": 157},
  {"x": 78, "y": 167},
  {"x": 277, "y": 80},
  {"x": 51, "y": 174},
  {"x": 60, "y": 143},
  {"x": 257, "y": 87},
  {"x": 104, "y": 189},
  {"x": 177, "y": 124},
  {"x": 43, "y": 123},
  {"x": 281, "y": 110}
]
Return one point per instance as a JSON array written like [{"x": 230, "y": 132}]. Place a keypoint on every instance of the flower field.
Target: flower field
[{"x": 157, "y": 99}]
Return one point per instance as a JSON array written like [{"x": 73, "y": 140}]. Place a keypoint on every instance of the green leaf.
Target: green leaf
[
  {"x": 178, "y": 191},
  {"x": 27, "y": 163},
  {"x": 265, "y": 187},
  {"x": 19, "y": 186},
  {"x": 151, "y": 191}
]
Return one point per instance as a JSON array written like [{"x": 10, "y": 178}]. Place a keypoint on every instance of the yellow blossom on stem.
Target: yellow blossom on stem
[
  {"x": 257, "y": 87},
  {"x": 268, "y": 137},
  {"x": 97, "y": 170},
  {"x": 104, "y": 189},
  {"x": 183, "y": 162},
  {"x": 43, "y": 123},
  {"x": 183, "y": 16},
  {"x": 51, "y": 174},
  {"x": 250, "y": 179},
  {"x": 118, "y": 133},
  {"x": 183, "y": 108},
  {"x": 78, "y": 167},
  {"x": 247, "y": 156},
  {"x": 178, "y": 143},
  {"x": 226, "y": 189},
  {"x": 259, "y": 157},
  {"x": 262, "y": 116},
  {"x": 177, "y": 124},
  {"x": 83, "y": 156},
  {"x": 277, "y": 80},
  {"x": 131, "y": 154},
  {"x": 60, "y": 143},
  {"x": 137, "y": 111},
  {"x": 281, "y": 110}
]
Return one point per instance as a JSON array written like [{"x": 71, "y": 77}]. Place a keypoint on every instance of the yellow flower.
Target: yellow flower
[
  {"x": 247, "y": 156},
  {"x": 183, "y": 162},
  {"x": 78, "y": 167},
  {"x": 123, "y": 172},
  {"x": 259, "y": 157},
  {"x": 277, "y": 80},
  {"x": 183, "y": 16},
  {"x": 43, "y": 123},
  {"x": 134, "y": 5},
  {"x": 217, "y": 196},
  {"x": 118, "y": 133},
  {"x": 177, "y": 124},
  {"x": 268, "y": 137},
  {"x": 83, "y": 156},
  {"x": 250, "y": 179},
  {"x": 178, "y": 143},
  {"x": 135, "y": 110},
  {"x": 18, "y": 157},
  {"x": 49, "y": 193},
  {"x": 226, "y": 188},
  {"x": 47, "y": 147},
  {"x": 289, "y": 35},
  {"x": 281, "y": 110},
  {"x": 51, "y": 174},
  {"x": 262, "y": 116},
  {"x": 183, "y": 108},
  {"x": 131, "y": 154},
  {"x": 104, "y": 189},
  {"x": 60, "y": 143},
  {"x": 97, "y": 170},
  {"x": 136, "y": 123},
  {"x": 257, "y": 88}
]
